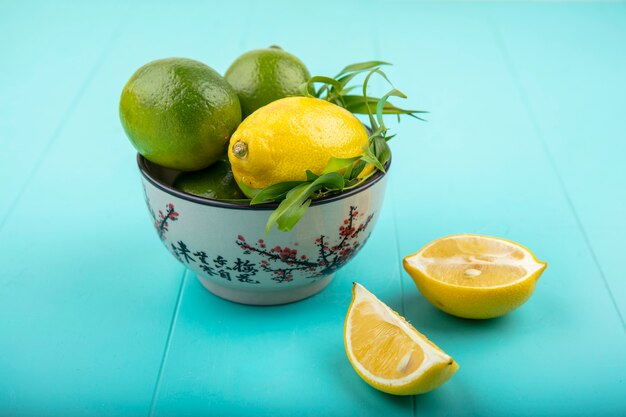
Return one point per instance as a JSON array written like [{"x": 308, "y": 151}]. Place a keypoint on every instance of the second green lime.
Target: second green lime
[
  {"x": 265, "y": 75},
  {"x": 216, "y": 182}
]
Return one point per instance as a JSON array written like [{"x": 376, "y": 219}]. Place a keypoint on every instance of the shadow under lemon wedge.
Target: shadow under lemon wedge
[
  {"x": 387, "y": 352},
  {"x": 474, "y": 276}
]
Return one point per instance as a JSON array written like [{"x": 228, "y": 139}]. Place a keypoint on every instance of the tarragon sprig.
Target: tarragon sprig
[
  {"x": 340, "y": 174},
  {"x": 337, "y": 91}
]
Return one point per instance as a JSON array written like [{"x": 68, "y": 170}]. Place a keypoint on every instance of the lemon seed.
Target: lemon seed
[
  {"x": 404, "y": 362},
  {"x": 471, "y": 272}
]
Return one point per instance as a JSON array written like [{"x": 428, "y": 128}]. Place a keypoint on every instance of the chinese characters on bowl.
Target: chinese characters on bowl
[{"x": 225, "y": 245}]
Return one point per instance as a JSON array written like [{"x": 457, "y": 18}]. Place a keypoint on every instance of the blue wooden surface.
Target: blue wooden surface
[{"x": 526, "y": 140}]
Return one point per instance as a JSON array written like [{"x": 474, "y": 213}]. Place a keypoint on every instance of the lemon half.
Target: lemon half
[
  {"x": 387, "y": 352},
  {"x": 474, "y": 276}
]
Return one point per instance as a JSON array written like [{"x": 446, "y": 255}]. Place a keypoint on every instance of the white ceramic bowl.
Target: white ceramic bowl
[{"x": 224, "y": 244}]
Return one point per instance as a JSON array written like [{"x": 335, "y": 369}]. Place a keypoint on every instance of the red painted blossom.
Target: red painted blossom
[
  {"x": 282, "y": 262},
  {"x": 162, "y": 222}
]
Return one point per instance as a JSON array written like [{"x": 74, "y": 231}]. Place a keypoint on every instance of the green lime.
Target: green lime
[
  {"x": 265, "y": 75},
  {"x": 179, "y": 113},
  {"x": 216, "y": 182}
]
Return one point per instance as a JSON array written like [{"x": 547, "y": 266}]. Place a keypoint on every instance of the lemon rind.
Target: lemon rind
[
  {"x": 534, "y": 266},
  {"x": 432, "y": 356}
]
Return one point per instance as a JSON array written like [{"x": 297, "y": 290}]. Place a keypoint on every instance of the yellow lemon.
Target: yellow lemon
[
  {"x": 388, "y": 353},
  {"x": 283, "y": 139},
  {"x": 473, "y": 276}
]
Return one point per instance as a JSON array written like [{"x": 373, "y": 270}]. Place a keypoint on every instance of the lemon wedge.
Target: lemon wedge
[
  {"x": 474, "y": 276},
  {"x": 387, "y": 352}
]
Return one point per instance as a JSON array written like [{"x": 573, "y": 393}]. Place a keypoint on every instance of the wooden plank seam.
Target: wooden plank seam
[
  {"x": 67, "y": 116},
  {"x": 168, "y": 341},
  {"x": 551, "y": 161}
]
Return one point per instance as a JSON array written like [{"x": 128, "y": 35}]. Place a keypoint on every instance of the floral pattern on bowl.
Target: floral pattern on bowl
[{"x": 224, "y": 243}]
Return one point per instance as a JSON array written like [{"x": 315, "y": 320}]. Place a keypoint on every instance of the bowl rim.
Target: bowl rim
[{"x": 145, "y": 172}]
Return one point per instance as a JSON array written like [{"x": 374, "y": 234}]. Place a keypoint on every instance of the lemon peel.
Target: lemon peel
[
  {"x": 388, "y": 353},
  {"x": 474, "y": 276}
]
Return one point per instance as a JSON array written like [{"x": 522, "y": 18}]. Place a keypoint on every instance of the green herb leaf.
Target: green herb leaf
[
  {"x": 352, "y": 183},
  {"x": 291, "y": 217},
  {"x": 359, "y": 105},
  {"x": 382, "y": 151},
  {"x": 357, "y": 169},
  {"x": 339, "y": 164},
  {"x": 290, "y": 210},
  {"x": 362, "y": 66},
  {"x": 289, "y": 206},
  {"x": 330, "y": 180},
  {"x": 349, "y": 88},
  {"x": 247, "y": 190},
  {"x": 344, "y": 80},
  {"x": 274, "y": 192},
  {"x": 321, "y": 79},
  {"x": 382, "y": 74},
  {"x": 370, "y": 157},
  {"x": 369, "y": 111},
  {"x": 381, "y": 104},
  {"x": 310, "y": 176}
]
